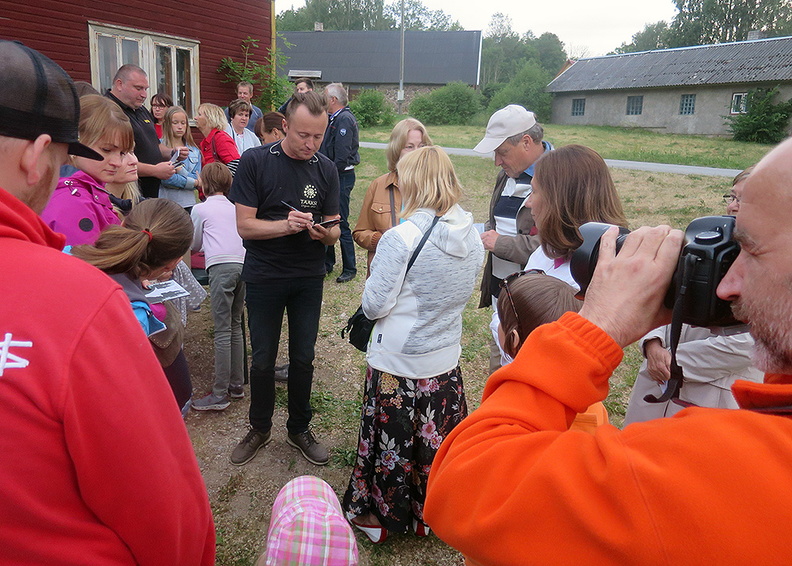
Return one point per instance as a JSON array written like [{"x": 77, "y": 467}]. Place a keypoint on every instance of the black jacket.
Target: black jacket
[{"x": 340, "y": 142}]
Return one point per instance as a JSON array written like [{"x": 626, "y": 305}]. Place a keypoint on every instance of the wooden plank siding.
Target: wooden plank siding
[{"x": 59, "y": 29}]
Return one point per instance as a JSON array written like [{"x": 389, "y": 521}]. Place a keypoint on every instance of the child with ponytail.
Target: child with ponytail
[{"x": 147, "y": 246}]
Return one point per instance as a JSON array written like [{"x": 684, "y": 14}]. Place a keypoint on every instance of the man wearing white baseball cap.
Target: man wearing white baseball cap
[{"x": 509, "y": 234}]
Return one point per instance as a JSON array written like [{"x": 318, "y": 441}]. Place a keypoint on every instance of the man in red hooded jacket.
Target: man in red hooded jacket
[
  {"x": 512, "y": 485},
  {"x": 96, "y": 466}
]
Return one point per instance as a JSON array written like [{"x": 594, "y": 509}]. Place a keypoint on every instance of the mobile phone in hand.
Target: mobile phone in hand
[{"x": 329, "y": 223}]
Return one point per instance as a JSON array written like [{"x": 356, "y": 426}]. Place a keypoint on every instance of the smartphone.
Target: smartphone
[
  {"x": 329, "y": 223},
  {"x": 174, "y": 158}
]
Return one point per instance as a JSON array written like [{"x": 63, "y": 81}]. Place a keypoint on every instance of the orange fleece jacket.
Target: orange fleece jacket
[{"x": 512, "y": 485}]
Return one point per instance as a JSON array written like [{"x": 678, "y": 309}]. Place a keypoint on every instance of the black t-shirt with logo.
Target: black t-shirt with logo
[{"x": 265, "y": 177}]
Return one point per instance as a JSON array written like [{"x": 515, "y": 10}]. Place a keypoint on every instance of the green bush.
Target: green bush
[
  {"x": 764, "y": 121},
  {"x": 527, "y": 88},
  {"x": 455, "y": 103},
  {"x": 371, "y": 109}
]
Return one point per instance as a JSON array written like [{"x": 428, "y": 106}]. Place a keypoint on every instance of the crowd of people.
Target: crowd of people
[{"x": 114, "y": 198}]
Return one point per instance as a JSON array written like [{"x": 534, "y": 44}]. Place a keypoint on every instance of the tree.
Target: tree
[
  {"x": 763, "y": 121},
  {"x": 418, "y": 17},
  {"x": 365, "y": 15},
  {"x": 704, "y": 22},
  {"x": 653, "y": 36},
  {"x": 336, "y": 15},
  {"x": 504, "y": 52},
  {"x": 270, "y": 88},
  {"x": 526, "y": 88}
]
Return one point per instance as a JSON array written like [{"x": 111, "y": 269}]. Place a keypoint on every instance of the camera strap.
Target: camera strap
[{"x": 675, "y": 381}]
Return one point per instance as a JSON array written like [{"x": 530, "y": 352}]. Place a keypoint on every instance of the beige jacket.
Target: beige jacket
[{"x": 377, "y": 214}]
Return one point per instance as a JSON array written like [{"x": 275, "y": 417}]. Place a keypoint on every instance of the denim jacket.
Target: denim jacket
[{"x": 180, "y": 188}]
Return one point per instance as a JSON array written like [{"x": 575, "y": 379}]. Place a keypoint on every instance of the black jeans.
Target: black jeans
[
  {"x": 346, "y": 184},
  {"x": 302, "y": 300}
]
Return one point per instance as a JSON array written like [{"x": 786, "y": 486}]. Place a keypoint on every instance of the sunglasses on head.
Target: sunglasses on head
[{"x": 505, "y": 282}]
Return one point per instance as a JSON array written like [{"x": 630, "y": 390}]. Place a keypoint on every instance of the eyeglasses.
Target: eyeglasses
[
  {"x": 730, "y": 198},
  {"x": 504, "y": 284},
  {"x": 159, "y": 106}
]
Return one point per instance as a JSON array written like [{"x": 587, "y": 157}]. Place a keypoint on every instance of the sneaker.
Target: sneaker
[
  {"x": 247, "y": 449},
  {"x": 211, "y": 402},
  {"x": 236, "y": 391},
  {"x": 306, "y": 443}
]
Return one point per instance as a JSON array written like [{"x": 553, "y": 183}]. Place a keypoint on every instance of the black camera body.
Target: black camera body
[{"x": 709, "y": 251}]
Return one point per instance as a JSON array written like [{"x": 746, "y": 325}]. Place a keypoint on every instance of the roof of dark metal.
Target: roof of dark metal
[
  {"x": 372, "y": 57},
  {"x": 758, "y": 61}
]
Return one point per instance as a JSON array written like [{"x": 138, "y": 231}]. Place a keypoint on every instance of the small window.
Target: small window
[
  {"x": 687, "y": 104},
  {"x": 578, "y": 106},
  {"x": 634, "y": 105},
  {"x": 170, "y": 62},
  {"x": 738, "y": 103}
]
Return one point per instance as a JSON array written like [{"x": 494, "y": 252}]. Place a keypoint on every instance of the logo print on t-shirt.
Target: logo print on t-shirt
[{"x": 308, "y": 199}]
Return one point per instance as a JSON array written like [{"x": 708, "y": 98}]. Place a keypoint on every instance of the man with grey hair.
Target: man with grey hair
[
  {"x": 340, "y": 144},
  {"x": 97, "y": 467},
  {"x": 509, "y": 234}
]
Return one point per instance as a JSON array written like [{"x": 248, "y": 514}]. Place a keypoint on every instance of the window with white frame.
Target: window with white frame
[
  {"x": 634, "y": 105},
  {"x": 738, "y": 103},
  {"x": 687, "y": 104},
  {"x": 578, "y": 106},
  {"x": 170, "y": 62}
]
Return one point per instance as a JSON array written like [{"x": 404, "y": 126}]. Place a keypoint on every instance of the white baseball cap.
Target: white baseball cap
[{"x": 505, "y": 123}]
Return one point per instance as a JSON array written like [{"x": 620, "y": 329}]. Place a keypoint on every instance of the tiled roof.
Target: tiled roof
[
  {"x": 759, "y": 61},
  {"x": 372, "y": 57}
]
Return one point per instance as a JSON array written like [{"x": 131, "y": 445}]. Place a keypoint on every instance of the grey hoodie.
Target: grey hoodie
[{"x": 419, "y": 324}]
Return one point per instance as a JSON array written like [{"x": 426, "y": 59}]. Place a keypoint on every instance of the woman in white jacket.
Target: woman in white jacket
[{"x": 414, "y": 395}]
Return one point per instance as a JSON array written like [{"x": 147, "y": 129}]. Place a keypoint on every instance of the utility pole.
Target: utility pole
[{"x": 400, "y": 94}]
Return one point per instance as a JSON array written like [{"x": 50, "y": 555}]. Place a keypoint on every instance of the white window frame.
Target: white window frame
[
  {"x": 578, "y": 107},
  {"x": 147, "y": 54},
  {"x": 687, "y": 104},
  {"x": 742, "y": 100}
]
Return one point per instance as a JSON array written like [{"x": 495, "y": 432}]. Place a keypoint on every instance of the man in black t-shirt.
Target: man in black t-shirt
[{"x": 282, "y": 191}]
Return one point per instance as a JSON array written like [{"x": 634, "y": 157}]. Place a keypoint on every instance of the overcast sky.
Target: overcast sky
[{"x": 587, "y": 28}]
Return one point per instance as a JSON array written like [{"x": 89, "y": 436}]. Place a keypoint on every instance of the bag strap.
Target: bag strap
[
  {"x": 421, "y": 244},
  {"x": 392, "y": 206},
  {"x": 214, "y": 150}
]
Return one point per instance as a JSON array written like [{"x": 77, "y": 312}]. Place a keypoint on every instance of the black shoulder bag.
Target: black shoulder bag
[{"x": 359, "y": 326}]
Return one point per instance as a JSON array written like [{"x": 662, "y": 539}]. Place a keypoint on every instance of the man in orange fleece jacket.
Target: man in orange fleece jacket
[{"x": 512, "y": 485}]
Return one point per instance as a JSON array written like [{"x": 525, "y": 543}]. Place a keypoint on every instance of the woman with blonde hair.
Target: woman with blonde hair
[
  {"x": 571, "y": 186},
  {"x": 383, "y": 200},
  {"x": 149, "y": 244},
  {"x": 80, "y": 207},
  {"x": 217, "y": 145},
  {"x": 413, "y": 396}
]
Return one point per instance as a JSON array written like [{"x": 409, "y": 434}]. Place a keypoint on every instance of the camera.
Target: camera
[{"x": 707, "y": 254}]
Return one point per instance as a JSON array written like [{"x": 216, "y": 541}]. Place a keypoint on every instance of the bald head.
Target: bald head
[{"x": 759, "y": 282}]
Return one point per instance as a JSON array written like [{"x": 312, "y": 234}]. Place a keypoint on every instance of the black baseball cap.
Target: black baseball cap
[{"x": 38, "y": 97}]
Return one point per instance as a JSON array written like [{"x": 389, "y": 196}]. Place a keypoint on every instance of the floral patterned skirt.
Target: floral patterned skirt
[{"x": 402, "y": 425}]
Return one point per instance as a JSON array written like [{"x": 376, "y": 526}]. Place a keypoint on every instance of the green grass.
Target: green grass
[
  {"x": 631, "y": 144},
  {"x": 241, "y": 516}
]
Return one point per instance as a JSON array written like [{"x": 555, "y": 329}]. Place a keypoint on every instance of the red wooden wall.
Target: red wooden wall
[{"x": 59, "y": 29}]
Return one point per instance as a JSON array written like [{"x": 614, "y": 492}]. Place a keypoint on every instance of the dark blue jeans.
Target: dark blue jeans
[
  {"x": 302, "y": 300},
  {"x": 347, "y": 183}
]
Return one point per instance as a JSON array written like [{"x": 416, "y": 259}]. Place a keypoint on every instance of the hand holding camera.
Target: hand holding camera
[{"x": 625, "y": 297}]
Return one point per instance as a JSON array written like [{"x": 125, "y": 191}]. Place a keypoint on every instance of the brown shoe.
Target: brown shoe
[
  {"x": 247, "y": 449},
  {"x": 306, "y": 443}
]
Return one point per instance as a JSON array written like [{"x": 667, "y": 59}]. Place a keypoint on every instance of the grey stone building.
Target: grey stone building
[
  {"x": 371, "y": 59},
  {"x": 686, "y": 90}
]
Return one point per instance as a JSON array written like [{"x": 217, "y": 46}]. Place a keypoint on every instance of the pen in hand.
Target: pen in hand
[{"x": 283, "y": 202}]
